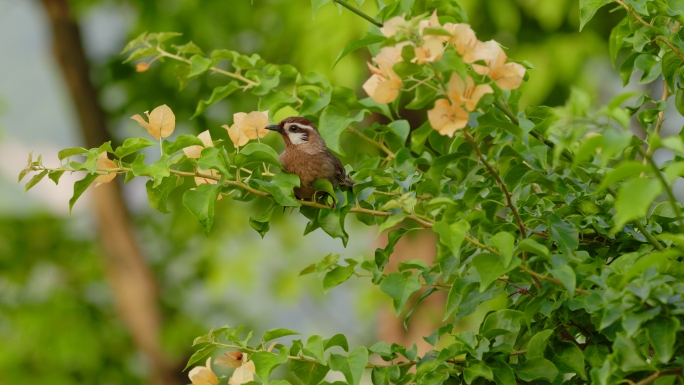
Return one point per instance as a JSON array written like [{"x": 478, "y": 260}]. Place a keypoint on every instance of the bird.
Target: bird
[{"x": 307, "y": 156}]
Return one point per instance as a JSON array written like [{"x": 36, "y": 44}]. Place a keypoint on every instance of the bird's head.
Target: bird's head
[{"x": 297, "y": 131}]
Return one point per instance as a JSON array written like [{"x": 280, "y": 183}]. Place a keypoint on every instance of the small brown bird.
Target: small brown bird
[{"x": 307, "y": 156}]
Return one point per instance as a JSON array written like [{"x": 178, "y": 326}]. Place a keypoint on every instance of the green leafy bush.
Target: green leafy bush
[{"x": 555, "y": 208}]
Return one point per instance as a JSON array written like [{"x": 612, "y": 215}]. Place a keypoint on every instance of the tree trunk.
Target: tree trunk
[{"x": 131, "y": 280}]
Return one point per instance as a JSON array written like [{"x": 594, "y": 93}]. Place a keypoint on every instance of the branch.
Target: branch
[
  {"x": 571, "y": 158},
  {"x": 654, "y": 376},
  {"x": 250, "y": 83},
  {"x": 358, "y": 12},
  {"x": 509, "y": 199},
  {"x": 670, "y": 194},
  {"x": 380, "y": 145}
]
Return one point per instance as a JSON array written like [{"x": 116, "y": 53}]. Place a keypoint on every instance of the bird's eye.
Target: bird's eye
[{"x": 293, "y": 128}]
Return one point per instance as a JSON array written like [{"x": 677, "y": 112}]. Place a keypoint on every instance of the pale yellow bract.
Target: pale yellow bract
[
  {"x": 104, "y": 162},
  {"x": 447, "y": 118},
  {"x": 195, "y": 151},
  {"x": 253, "y": 125},
  {"x": 161, "y": 123},
  {"x": 203, "y": 375},
  {"x": 467, "y": 93},
  {"x": 243, "y": 374}
]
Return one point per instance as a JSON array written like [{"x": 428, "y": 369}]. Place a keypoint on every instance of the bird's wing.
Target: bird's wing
[{"x": 341, "y": 173}]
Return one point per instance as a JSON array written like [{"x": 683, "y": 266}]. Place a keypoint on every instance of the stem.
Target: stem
[
  {"x": 380, "y": 145},
  {"x": 550, "y": 279},
  {"x": 358, "y": 12},
  {"x": 655, "y": 376},
  {"x": 670, "y": 194},
  {"x": 249, "y": 82},
  {"x": 571, "y": 158},
  {"x": 509, "y": 198}
]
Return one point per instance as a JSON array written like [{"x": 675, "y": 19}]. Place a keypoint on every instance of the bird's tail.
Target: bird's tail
[{"x": 347, "y": 181}]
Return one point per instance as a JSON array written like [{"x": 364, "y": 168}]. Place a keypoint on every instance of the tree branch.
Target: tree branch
[{"x": 132, "y": 282}]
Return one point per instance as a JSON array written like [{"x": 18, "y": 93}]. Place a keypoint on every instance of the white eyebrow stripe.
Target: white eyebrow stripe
[{"x": 287, "y": 126}]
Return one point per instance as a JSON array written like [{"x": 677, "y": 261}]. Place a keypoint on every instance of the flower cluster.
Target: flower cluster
[
  {"x": 247, "y": 127},
  {"x": 432, "y": 39}
]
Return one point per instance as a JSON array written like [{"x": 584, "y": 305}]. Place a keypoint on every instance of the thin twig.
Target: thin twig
[{"x": 358, "y": 12}]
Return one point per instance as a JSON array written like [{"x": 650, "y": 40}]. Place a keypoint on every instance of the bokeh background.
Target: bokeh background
[{"x": 98, "y": 297}]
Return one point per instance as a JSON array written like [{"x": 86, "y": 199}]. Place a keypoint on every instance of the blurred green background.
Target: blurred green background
[{"x": 59, "y": 323}]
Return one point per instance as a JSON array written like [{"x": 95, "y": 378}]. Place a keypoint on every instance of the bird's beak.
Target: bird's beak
[{"x": 273, "y": 127}]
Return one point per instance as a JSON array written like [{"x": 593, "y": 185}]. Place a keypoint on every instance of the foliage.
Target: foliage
[{"x": 555, "y": 208}]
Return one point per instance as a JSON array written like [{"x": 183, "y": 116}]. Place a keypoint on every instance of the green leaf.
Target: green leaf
[
  {"x": 332, "y": 222},
  {"x": 80, "y": 187},
  {"x": 532, "y": 246},
  {"x": 141, "y": 52},
  {"x": 451, "y": 236},
  {"x": 324, "y": 185},
  {"x": 198, "y": 355},
  {"x": 337, "y": 276},
  {"x": 316, "y": 5},
  {"x": 157, "y": 196},
  {"x": 503, "y": 374},
  {"x": 161, "y": 37},
  {"x": 219, "y": 93},
  {"x": 356, "y": 44},
  {"x": 566, "y": 236},
  {"x": 67, "y": 152},
  {"x": 623, "y": 171},
  {"x": 588, "y": 9},
  {"x": 314, "y": 349},
  {"x": 679, "y": 101},
  {"x": 281, "y": 188},
  {"x": 568, "y": 358},
  {"x": 257, "y": 153},
  {"x": 502, "y": 322},
  {"x": 187, "y": 48},
  {"x": 627, "y": 67},
  {"x": 36, "y": 178},
  {"x": 265, "y": 362},
  {"x": 169, "y": 148},
  {"x": 651, "y": 65},
  {"x": 309, "y": 373},
  {"x": 505, "y": 243},
  {"x": 566, "y": 275},
  {"x": 333, "y": 122},
  {"x": 261, "y": 224},
  {"x": 157, "y": 170},
  {"x": 55, "y": 175},
  {"x": 537, "y": 344},
  {"x": 198, "y": 65},
  {"x": 662, "y": 332},
  {"x": 383, "y": 375},
  {"x": 132, "y": 145},
  {"x": 277, "y": 333},
  {"x": 201, "y": 201},
  {"x": 134, "y": 43},
  {"x": 490, "y": 267},
  {"x": 477, "y": 369},
  {"x": 214, "y": 159},
  {"x": 337, "y": 340},
  {"x": 536, "y": 368},
  {"x": 401, "y": 128},
  {"x": 351, "y": 366},
  {"x": 400, "y": 287},
  {"x": 634, "y": 199}
]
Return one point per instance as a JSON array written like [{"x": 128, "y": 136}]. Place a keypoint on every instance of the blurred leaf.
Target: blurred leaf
[
  {"x": 400, "y": 287},
  {"x": 333, "y": 123},
  {"x": 265, "y": 362},
  {"x": 335, "y": 277},
  {"x": 157, "y": 196},
  {"x": 588, "y": 8},
  {"x": 198, "y": 355},
  {"x": 537, "y": 344},
  {"x": 634, "y": 199},
  {"x": 536, "y": 368},
  {"x": 36, "y": 178},
  {"x": 80, "y": 187},
  {"x": 132, "y": 145},
  {"x": 219, "y": 93},
  {"x": 662, "y": 332}
]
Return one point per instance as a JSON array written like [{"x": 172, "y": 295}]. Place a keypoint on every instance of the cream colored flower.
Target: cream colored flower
[
  {"x": 243, "y": 374},
  {"x": 432, "y": 22},
  {"x": 161, "y": 123},
  {"x": 252, "y": 125},
  {"x": 466, "y": 93},
  {"x": 464, "y": 41},
  {"x": 508, "y": 76},
  {"x": 384, "y": 84},
  {"x": 203, "y": 375},
  {"x": 431, "y": 50},
  {"x": 104, "y": 162},
  {"x": 393, "y": 25},
  {"x": 447, "y": 118},
  {"x": 196, "y": 151}
]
